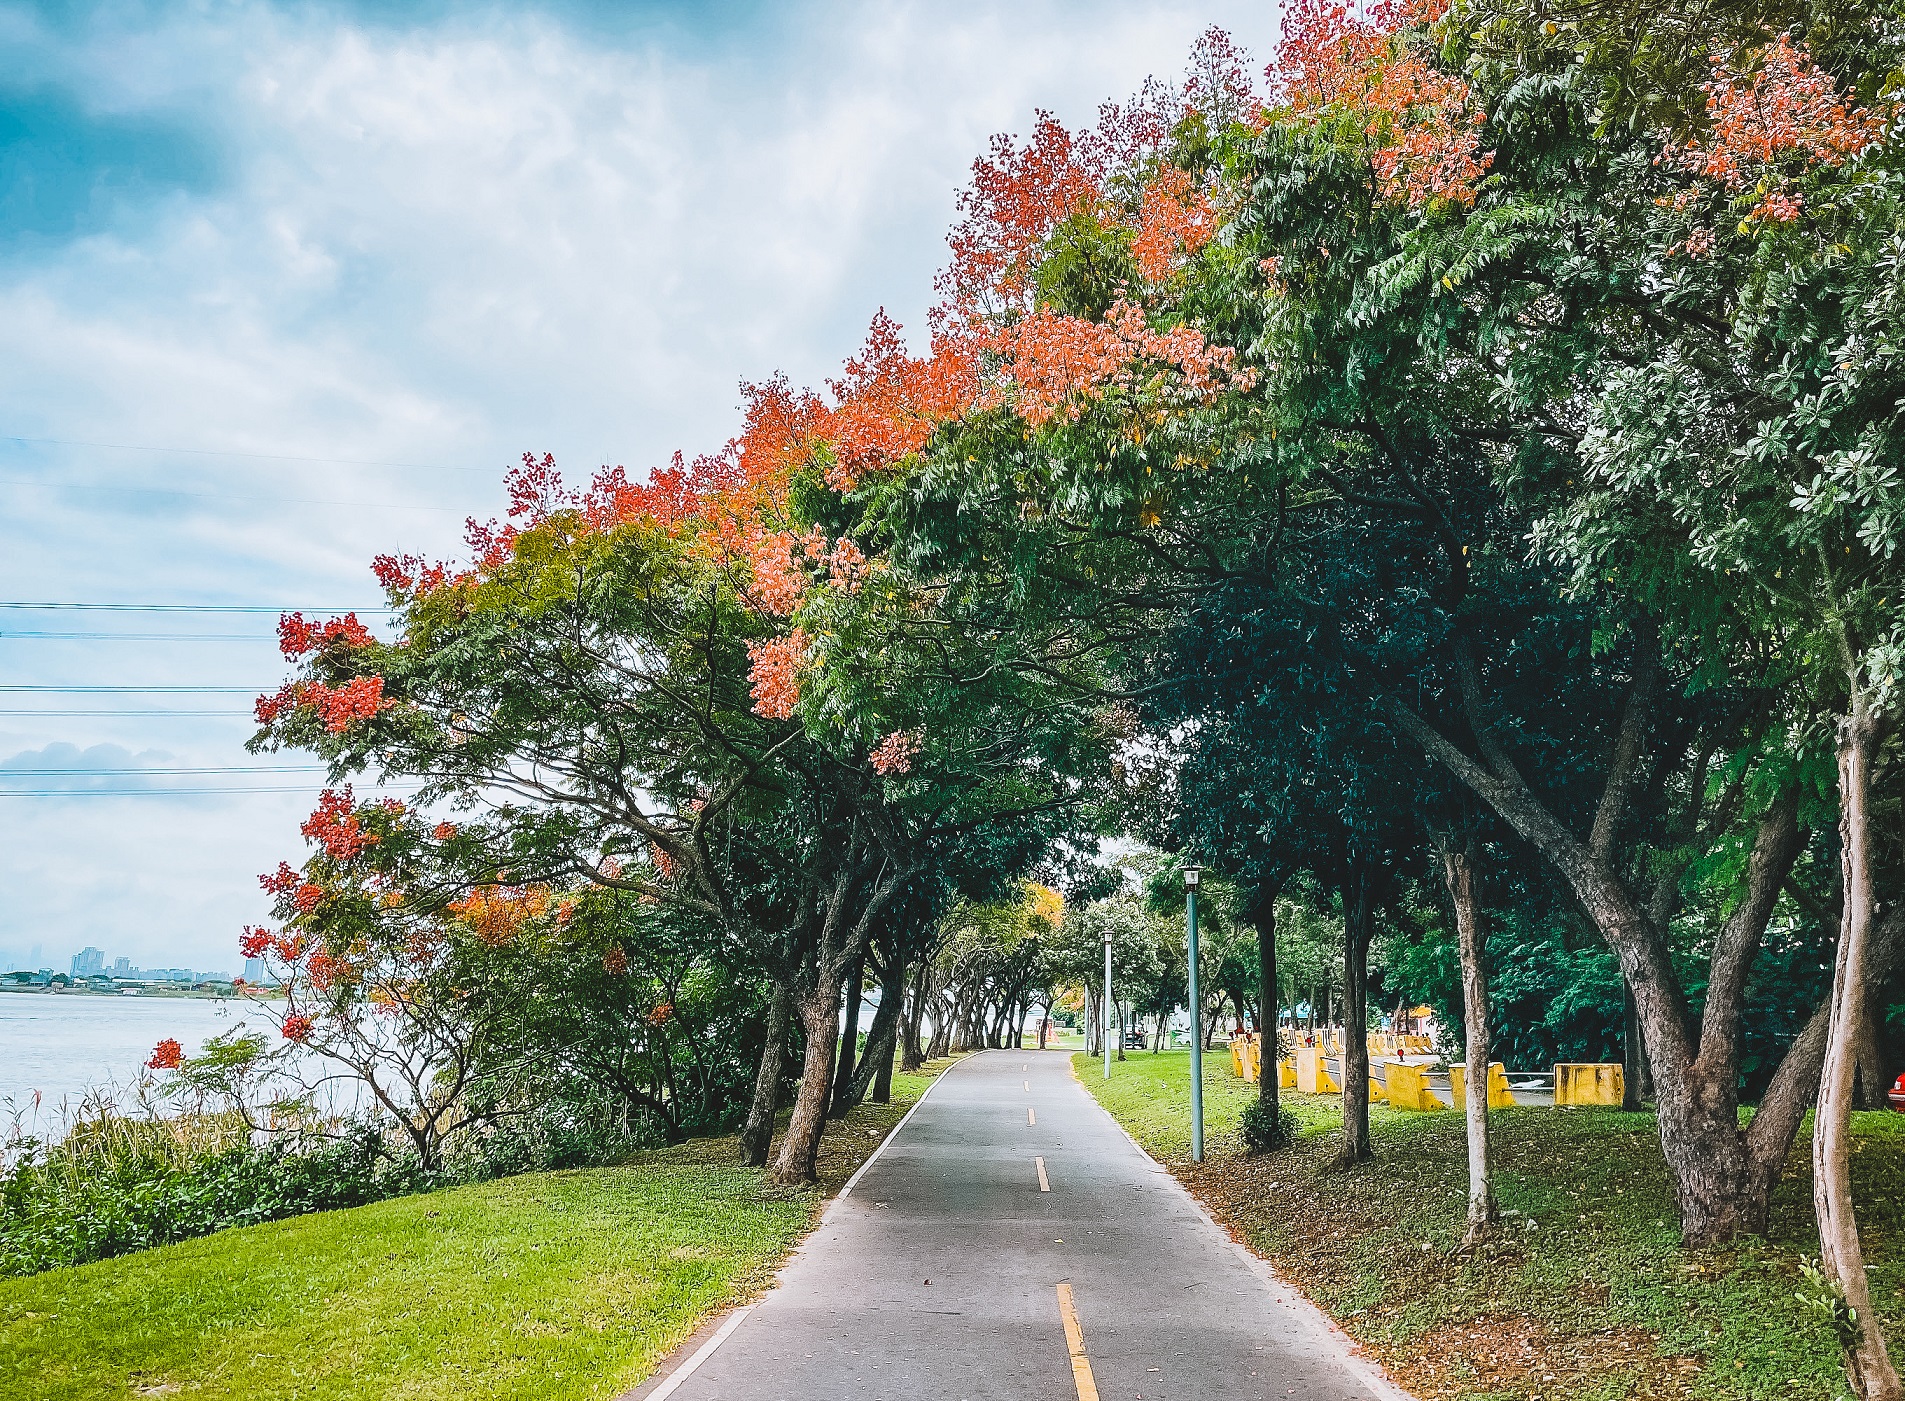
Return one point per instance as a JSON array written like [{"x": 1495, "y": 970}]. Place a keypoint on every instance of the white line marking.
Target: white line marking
[
  {"x": 706, "y": 1350},
  {"x": 1028, "y": 1087},
  {"x": 702, "y": 1354},
  {"x": 844, "y": 1191},
  {"x": 1031, "y": 1119},
  {"x": 1043, "y": 1185}
]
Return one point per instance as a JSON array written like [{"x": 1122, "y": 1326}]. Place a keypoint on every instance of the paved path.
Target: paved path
[{"x": 943, "y": 1275}]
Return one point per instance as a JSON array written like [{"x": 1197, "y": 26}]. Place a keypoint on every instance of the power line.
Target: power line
[
  {"x": 116, "y": 714},
  {"x": 150, "y": 792},
  {"x": 30, "y": 635},
  {"x": 188, "y": 608},
  {"x": 247, "y": 456},
  {"x": 165, "y": 772},
  {"x": 133, "y": 690},
  {"x": 226, "y": 496}
]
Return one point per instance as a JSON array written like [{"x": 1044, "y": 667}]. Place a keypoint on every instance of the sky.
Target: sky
[{"x": 283, "y": 287}]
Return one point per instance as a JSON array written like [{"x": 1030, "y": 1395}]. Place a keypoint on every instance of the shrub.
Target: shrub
[{"x": 1265, "y": 1131}]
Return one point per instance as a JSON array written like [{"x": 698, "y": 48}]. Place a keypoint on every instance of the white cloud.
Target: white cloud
[{"x": 448, "y": 244}]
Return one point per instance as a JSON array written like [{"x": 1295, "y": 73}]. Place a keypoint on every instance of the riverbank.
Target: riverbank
[
  {"x": 544, "y": 1287},
  {"x": 1586, "y": 1293}
]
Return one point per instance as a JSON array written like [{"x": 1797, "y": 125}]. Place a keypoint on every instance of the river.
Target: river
[{"x": 61, "y": 1045}]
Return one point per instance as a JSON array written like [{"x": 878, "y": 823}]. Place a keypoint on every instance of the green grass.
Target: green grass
[
  {"x": 548, "y": 1285},
  {"x": 1596, "y": 1301}
]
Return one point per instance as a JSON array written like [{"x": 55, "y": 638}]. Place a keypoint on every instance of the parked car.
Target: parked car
[{"x": 1896, "y": 1095}]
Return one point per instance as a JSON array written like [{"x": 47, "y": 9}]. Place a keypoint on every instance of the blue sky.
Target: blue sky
[{"x": 283, "y": 287}]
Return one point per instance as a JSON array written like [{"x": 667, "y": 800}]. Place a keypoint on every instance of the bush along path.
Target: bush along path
[
  {"x": 1584, "y": 1292},
  {"x": 552, "y": 1285}
]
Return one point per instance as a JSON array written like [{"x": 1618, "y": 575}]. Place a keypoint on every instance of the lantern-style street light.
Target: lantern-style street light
[
  {"x": 1191, "y": 875},
  {"x": 1107, "y": 1019}
]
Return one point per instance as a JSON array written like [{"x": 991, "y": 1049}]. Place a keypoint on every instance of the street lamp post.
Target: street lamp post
[
  {"x": 1108, "y": 1023},
  {"x": 1191, "y": 874}
]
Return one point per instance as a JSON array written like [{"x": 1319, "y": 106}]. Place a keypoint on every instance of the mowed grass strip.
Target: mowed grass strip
[
  {"x": 1595, "y": 1300},
  {"x": 547, "y": 1285}
]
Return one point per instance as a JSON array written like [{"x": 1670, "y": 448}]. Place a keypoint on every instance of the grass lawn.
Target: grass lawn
[
  {"x": 548, "y": 1285},
  {"x": 1586, "y": 1293}
]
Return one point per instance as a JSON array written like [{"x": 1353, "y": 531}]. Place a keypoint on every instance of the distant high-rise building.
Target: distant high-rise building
[
  {"x": 88, "y": 961},
  {"x": 254, "y": 969},
  {"x": 122, "y": 967}
]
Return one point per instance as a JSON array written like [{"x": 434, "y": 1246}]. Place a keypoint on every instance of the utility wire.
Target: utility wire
[
  {"x": 119, "y": 714},
  {"x": 252, "y": 769},
  {"x": 133, "y": 690},
  {"x": 247, "y": 456},
  {"x": 187, "y": 608},
  {"x": 226, "y": 496},
  {"x": 149, "y": 792},
  {"x": 31, "y": 635}
]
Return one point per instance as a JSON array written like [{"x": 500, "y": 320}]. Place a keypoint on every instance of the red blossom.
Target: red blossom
[
  {"x": 890, "y": 403},
  {"x": 167, "y": 1055},
  {"x": 280, "y": 882},
  {"x": 323, "y": 970},
  {"x": 296, "y": 637},
  {"x": 336, "y": 827},
  {"x": 444, "y": 831},
  {"x": 1786, "y": 107},
  {"x": 774, "y": 673},
  {"x": 298, "y": 1027},
  {"x": 308, "y": 897},
  {"x": 254, "y": 941},
  {"x": 661, "y": 1013},
  {"x": 615, "y": 962},
  {"x": 1421, "y": 127},
  {"x": 1175, "y": 220},
  {"x": 895, "y": 753}
]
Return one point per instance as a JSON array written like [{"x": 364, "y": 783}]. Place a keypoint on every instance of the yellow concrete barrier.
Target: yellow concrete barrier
[
  {"x": 1409, "y": 1087},
  {"x": 1253, "y": 1058},
  {"x": 1286, "y": 1074},
  {"x": 1313, "y": 1074},
  {"x": 1237, "y": 1060},
  {"x": 1580, "y": 1082},
  {"x": 1498, "y": 1095}
]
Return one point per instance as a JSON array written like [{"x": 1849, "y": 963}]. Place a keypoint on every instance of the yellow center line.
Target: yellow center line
[
  {"x": 1075, "y": 1345},
  {"x": 1031, "y": 1118},
  {"x": 1043, "y": 1185}
]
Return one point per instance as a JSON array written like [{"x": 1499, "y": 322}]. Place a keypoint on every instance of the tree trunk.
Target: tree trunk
[
  {"x": 758, "y": 1133},
  {"x": 876, "y": 1066},
  {"x": 1458, "y": 869},
  {"x": 843, "y": 1096},
  {"x": 1358, "y": 925},
  {"x": 913, "y": 1056},
  {"x": 1268, "y": 1080},
  {"x": 1868, "y": 1366},
  {"x": 1118, "y": 1007},
  {"x": 820, "y": 1018},
  {"x": 1633, "y": 1055}
]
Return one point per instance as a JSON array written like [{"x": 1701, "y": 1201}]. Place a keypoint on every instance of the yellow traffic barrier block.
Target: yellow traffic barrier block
[
  {"x": 1237, "y": 1060},
  {"x": 1409, "y": 1087},
  {"x": 1286, "y": 1074},
  {"x": 1253, "y": 1058},
  {"x": 1313, "y": 1073},
  {"x": 1584, "y": 1082},
  {"x": 1498, "y": 1095}
]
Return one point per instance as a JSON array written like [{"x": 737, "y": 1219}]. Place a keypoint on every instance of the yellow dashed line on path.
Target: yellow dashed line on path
[
  {"x": 1043, "y": 1185},
  {"x": 1075, "y": 1345}
]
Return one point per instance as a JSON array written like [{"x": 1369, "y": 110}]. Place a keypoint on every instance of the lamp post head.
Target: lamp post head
[{"x": 1191, "y": 874}]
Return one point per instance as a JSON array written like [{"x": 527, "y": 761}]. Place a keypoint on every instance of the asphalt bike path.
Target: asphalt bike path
[{"x": 1010, "y": 1242}]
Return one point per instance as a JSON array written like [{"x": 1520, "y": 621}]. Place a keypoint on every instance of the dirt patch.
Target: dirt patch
[{"x": 1522, "y": 1357}]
